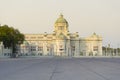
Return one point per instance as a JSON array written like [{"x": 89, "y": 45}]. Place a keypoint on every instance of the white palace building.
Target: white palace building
[{"x": 61, "y": 43}]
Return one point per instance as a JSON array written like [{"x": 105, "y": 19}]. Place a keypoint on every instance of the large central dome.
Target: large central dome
[
  {"x": 61, "y": 25},
  {"x": 61, "y": 19}
]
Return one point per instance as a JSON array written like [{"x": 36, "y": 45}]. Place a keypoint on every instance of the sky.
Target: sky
[{"x": 83, "y": 16}]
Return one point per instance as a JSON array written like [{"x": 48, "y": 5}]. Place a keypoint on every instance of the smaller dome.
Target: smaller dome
[
  {"x": 61, "y": 19},
  {"x": 94, "y": 35}
]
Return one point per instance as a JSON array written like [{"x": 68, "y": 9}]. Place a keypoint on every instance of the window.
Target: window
[
  {"x": 49, "y": 37},
  {"x": 61, "y": 49},
  {"x": 95, "y": 48},
  {"x": 33, "y": 48},
  {"x": 61, "y": 46},
  {"x": 73, "y": 48},
  {"x": 40, "y": 48},
  {"x": 47, "y": 49},
  {"x": 60, "y": 28},
  {"x": 33, "y": 37},
  {"x": 40, "y": 37}
]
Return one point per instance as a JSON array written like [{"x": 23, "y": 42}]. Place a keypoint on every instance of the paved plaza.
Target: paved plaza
[{"x": 59, "y": 68}]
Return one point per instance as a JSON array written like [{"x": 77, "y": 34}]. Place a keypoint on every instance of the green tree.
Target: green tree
[{"x": 11, "y": 38}]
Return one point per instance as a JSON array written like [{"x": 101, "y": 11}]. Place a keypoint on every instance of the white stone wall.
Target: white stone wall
[
  {"x": 72, "y": 46},
  {"x": 4, "y": 51}
]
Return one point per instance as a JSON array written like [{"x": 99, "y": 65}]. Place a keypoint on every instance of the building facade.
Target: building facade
[
  {"x": 4, "y": 52},
  {"x": 61, "y": 42}
]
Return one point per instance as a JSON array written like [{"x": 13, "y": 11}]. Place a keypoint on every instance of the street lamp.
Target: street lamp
[
  {"x": 2, "y": 46},
  {"x": 117, "y": 50},
  {"x": 19, "y": 48},
  {"x": 106, "y": 51}
]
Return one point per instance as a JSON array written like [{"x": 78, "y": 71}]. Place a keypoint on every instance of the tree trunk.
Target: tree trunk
[{"x": 13, "y": 50}]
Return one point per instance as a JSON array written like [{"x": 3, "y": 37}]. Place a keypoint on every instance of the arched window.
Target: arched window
[{"x": 60, "y": 28}]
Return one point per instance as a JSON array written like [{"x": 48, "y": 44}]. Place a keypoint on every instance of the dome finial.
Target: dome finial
[
  {"x": 61, "y": 15},
  {"x": 94, "y": 33}
]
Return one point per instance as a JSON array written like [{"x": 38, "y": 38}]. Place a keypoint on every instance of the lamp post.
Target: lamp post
[
  {"x": 106, "y": 51},
  {"x": 2, "y": 49},
  {"x": 118, "y": 49},
  {"x": 112, "y": 53},
  {"x": 56, "y": 49},
  {"x": 19, "y": 48}
]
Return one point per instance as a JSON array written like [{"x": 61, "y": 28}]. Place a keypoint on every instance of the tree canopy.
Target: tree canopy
[{"x": 10, "y": 37}]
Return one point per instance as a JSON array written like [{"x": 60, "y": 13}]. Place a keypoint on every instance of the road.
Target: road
[{"x": 60, "y": 69}]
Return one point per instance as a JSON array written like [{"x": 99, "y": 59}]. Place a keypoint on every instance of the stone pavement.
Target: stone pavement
[{"x": 60, "y": 69}]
